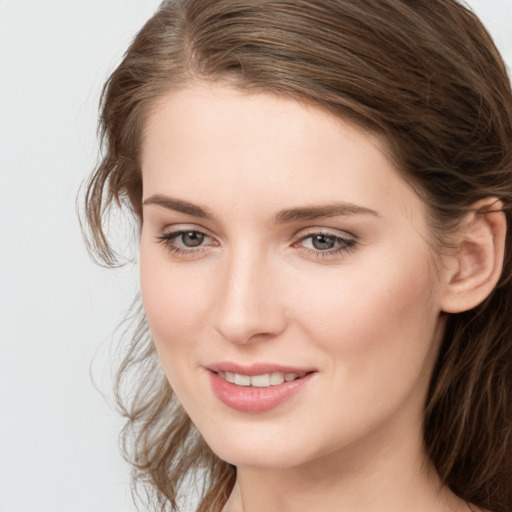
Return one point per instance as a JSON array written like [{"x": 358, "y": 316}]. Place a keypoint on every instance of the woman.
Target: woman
[{"x": 322, "y": 189}]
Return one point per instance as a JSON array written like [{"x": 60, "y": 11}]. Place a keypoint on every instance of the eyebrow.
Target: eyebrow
[
  {"x": 283, "y": 217},
  {"x": 179, "y": 205},
  {"x": 322, "y": 211}
]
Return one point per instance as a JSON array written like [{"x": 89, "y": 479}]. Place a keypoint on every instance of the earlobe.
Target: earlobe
[{"x": 476, "y": 267}]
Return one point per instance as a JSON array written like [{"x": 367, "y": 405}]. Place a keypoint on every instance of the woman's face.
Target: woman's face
[{"x": 287, "y": 278}]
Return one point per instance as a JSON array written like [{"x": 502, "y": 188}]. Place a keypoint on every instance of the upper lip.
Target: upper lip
[{"x": 256, "y": 368}]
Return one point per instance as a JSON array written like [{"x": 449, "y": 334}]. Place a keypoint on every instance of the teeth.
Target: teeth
[
  {"x": 276, "y": 379},
  {"x": 260, "y": 381},
  {"x": 242, "y": 380}
]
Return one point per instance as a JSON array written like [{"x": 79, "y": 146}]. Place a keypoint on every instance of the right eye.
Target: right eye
[
  {"x": 185, "y": 241},
  {"x": 190, "y": 238}
]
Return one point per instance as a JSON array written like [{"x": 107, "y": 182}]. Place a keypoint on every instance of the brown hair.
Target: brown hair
[{"x": 424, "y": 73}]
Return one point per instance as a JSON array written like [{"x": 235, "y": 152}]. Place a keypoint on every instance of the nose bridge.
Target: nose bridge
[{"x": 247, "y": 303}]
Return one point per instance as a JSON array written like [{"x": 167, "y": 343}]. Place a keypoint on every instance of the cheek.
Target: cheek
[
  {"x": 170, "y": 304},
  {"x": 169, "y": 296},
  {"x": 376, "y": 328},
  {"x": 378, "y": 315}
]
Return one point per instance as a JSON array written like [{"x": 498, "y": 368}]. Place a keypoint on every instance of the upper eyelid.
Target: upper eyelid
[
  {"x": 175, "y": 233},
  {"x": 349, "y": 241},
  {"x": 338, "y": 233},
  {"x": 304, "y": 233},
  {"x": 180, "y": 228},
  {"x": 300, "y": 234}
]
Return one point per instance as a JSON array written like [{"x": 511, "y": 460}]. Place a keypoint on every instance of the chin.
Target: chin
[
  {"x": 259, "y": 456},
  {"x": 260, "y": 445}
]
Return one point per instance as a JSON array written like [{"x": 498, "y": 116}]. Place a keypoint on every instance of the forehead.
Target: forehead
[
  {"x": 205, "y": 106},
  {"x": 235, "y": 148}
]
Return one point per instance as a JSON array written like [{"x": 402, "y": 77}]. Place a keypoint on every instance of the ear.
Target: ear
[{"x": 475, "y": 268}]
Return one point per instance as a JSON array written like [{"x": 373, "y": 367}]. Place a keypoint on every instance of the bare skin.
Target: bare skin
[{"x": 276, "y": 234}]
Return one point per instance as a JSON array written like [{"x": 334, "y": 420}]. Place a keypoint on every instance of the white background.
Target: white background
[{"x": 58, "y": 437}]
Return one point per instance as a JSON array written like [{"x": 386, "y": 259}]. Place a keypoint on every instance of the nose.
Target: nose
[{"x": 249, "y": 305}]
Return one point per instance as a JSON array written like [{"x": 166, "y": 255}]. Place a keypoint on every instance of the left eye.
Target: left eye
[{"x": 325, "y": 242}]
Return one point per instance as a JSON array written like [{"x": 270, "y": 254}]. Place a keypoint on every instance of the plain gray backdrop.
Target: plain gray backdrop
[{"x": 58, "y": 437}]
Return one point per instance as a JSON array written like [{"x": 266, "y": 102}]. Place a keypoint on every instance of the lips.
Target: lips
[{"x": 258, "y": 387}]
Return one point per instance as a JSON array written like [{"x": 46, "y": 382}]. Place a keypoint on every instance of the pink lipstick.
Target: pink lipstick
[{"x": 258, "y": 387}]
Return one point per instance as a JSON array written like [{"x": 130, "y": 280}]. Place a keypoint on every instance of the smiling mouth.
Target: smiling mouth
[
  {"x": 260, "y": 381},
  {"x": 258, "y": 392}
]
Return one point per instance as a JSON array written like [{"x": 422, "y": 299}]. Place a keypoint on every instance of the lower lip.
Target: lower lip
[{"x": 252, "y": 399}]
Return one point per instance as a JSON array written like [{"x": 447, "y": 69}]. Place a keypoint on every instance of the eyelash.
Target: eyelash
[
  {"x": 345, "y": 245},
  {"x": 168, "y": 240}
]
